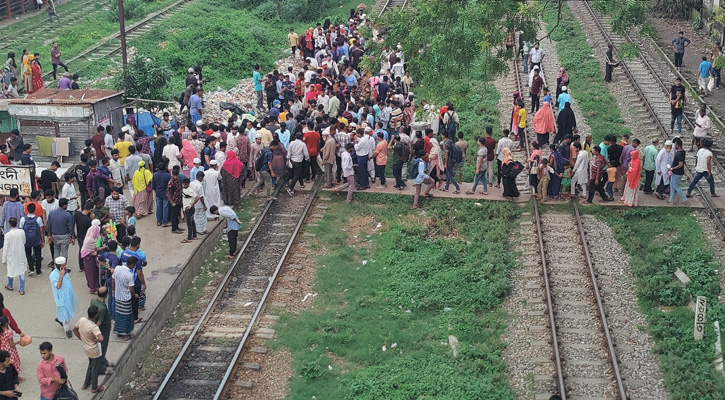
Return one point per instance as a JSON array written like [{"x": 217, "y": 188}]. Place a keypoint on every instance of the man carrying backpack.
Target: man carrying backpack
[
  {"x": 453, "y": 156},
  {"x": 34, "y": 239},
  {"x": 263, "y": 165},
  {"x": 450, "y": 121}
]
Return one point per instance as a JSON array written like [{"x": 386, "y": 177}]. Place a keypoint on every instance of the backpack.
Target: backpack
[
  {"x": 413, "y": 168},
  {"x": 451, "y": 124},
  {"x": 32, "y": 231},
  {"x": 456, "y": 153},
  {"x": 406, "y": 152},
  {"x": 515, "y": 170},
  {"x": 260, "y": 156}
]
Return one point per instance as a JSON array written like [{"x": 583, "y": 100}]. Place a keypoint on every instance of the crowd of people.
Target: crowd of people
[
  {"x": 326, "y": 116},
  {"x": 26, "y": 74}
]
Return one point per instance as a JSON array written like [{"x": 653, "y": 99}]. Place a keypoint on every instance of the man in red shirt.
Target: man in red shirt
[
  {"x": 426, "y": 144},
  {"x": 312, "y": 141},
  {"x": 490, "y": 144},
  {"x": 98, "y": 143},
  {"x": 535, "y": 90}
]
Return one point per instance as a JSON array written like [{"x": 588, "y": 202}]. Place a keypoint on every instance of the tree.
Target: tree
[
  {"x": 444, "y": 39},
  {"x": 675, "y": 8},
  {"x": 143, "y": 78},
  {"x": 624, "y": 14}
]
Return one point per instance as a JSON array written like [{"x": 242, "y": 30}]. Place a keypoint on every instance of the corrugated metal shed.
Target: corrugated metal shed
[{"x": 61, "y": 96}]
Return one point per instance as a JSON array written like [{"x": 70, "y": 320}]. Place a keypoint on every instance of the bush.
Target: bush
[
  {"x": 132, "y": 9},
  {"x": 144, "y": 78}
]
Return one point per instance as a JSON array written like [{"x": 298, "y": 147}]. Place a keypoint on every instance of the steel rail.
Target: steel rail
[
  {"x": 704, "y": 194},
  {"x": 387, "y": 6},
  {"x": 544, "y": 267},
  {"x": 213, "y": 302},
  {"x": 240, "y": 348}
]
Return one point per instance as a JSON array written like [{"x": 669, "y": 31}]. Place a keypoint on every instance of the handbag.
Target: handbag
[
  {"x": 65, "y": 392},
  {"x": 711, "y": 84},
  {"x": 148, "y": 187}
]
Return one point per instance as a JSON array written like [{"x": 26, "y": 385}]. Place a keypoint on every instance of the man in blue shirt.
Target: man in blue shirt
[
  {"x": 257, "y": 77},
  {"x": 266, "y": 172},
  {"x": 160, "y": 181},
  {"x": 678, "y": 45},
  {"x": 140, "y": 281},
  {"x": 704, "y": 75},
  {"x": 233, "y": 226},
  {"x": 196, "y": 105},
  {"x": 564, "y": 97}
]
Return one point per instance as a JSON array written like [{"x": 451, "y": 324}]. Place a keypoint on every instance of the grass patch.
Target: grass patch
[
  {"x": 391, "y": 285},
  {"x": 598, "y": 106},
  {"x": 687, "y": 364}
]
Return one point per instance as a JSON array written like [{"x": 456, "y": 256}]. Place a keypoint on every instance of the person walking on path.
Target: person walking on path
[
  {"x": 381, "y": 159},
  {"x": 701, "y": 130},
  {"x": 481, "y": 167},
  {"x": 703, "y": 168},
  {"x": 678, "y": 170},
  {"x": 117, "y": 204},
  {"x": 90, "y": 334},
  {"x": 328, "y": 155},
  {"x": 678, "y": 45},
  {"x": 174, "y": 194},
  {"x": 677, "y": 104},
  {"x": 55, "y": 59},
  {"x": 650, "y": 155},
  {"x": 60, "y": 229},
  {"x": 34, "y": 238},
  {"x": 143, "y": 198},
  {"x": 508, "y": 177},
  {"x": 233, "y": 226},
  {"x": 103, "y": 320},
  {"x": 189, "y": 204},
  {"x": 703, "y": 76},
  {"x": 503, "y": 143},
  {"x": 48, "y": 373},
  {"x": 122, "y": 284},
  {"x": 258, "y": 87},
  {"x": 348, "y": 172},
  {"x": 417, "y": 167},
  {"x": 634, "y": 172},
  {"x": 535, "y": 91},
  {"x": 160, "y": 181},
  {"x": 452, "y": 156},
  {"x": 580, "y": 171},
  {"x": 14, "y": 255},
  {"x": 596, "y": 178},
  {"x": 609, "y": 63},
  {"x": 8, "y": 343},
  {"x": 231, "y": 173},
  {"x": 65, "y": 298}
]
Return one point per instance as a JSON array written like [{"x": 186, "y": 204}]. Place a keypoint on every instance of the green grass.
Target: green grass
[
  {"x": 588, "y": 88},
  {"x": 390, "y": 286},
  {"x": 658, "y": 241}
]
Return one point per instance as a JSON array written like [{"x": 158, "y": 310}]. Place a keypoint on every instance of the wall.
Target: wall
[{"x": 155, "y": 322}]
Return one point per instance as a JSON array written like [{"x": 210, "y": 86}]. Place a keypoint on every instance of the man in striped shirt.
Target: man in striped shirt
[{"x": 123, "y": 291}]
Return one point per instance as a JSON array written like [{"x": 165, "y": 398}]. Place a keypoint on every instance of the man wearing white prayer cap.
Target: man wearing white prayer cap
[{"x": 65, "y": 299}]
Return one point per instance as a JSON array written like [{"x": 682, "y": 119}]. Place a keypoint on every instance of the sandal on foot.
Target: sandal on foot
[
  {"x": 185, "y": 241},
  {"x": 99, "y": 389},
  {"x": 469, "y": 192},
  {"x": 8, "y": 287}
]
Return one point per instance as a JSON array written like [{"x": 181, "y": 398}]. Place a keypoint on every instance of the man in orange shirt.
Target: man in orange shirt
[
  {"x": 312, "y": 141},
  {"x": 381, "y": 158}
]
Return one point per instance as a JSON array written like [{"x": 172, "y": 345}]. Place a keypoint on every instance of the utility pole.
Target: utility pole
[{"x": 124, "y": 57}]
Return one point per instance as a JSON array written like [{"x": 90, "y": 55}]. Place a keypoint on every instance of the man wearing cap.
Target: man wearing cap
[
  {"x": 563, "y": 98},
  {"x": 200, "y": 207},
  {"x": 212, "y": 194},
  {"x": 65, "y": 299},
  {"x": 196, "y": 105},
  {"x": 197, "y": 167},
  {"x": 131, "y": 167},
  {"x": 274, "y": 111},
  {"x": 663, "y": 162}
]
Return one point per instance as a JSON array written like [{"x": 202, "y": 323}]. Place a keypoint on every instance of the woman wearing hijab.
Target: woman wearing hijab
[
  {"x": 232, "y": 179},
  {"x": 534, "y": 160},
  {"x": 562, "y": 79},
  {"x": 27, "y": 72},
  {"x": 435, "y": 158},
  {"x": 37, "y": 75},
  {"x": 159, "y": 145},
  {"x": 142, "y": 194},
  {"x": 189, "y": 153},
  {"x": 279, "y": 159},
  {"x": 566, "y": 122},
  {"x": 10, "y": 68},
  {"x": 544, "y": 123},
  {"x": 634, "y": 172},
  {"x": 556, "y": 162},
  {"x": 509, "y": 183},
  {"x": 89, "y": 250}
]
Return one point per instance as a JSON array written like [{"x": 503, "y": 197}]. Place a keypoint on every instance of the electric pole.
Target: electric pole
[{"x": 124, "y": 57}]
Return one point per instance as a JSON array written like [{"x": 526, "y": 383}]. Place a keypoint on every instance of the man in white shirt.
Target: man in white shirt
[
  {"x": 69, "y": 192},
  {"x": 108, "y": 141},
  {"x": 297, "y": 154},
  {"x": 171, "y": 151},
  {"x": 348, "y": 172},
  {"x": 362, "y": 150},
  {"x": 536, "y": 55},
  {"x": 503, "y": 143},
  {"x": 703, "y": 168}
]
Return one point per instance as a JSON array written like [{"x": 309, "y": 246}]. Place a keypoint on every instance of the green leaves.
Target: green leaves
[{"x": 144, "y": 78}]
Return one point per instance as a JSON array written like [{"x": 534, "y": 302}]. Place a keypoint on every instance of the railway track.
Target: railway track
[
  {"x": 390, "y": 4},
  {"x": 654, "y": 96},
  {"x": 14, "y": 38},
  {"x": 582, "y": 348},
  {"x": 111, "y": 45},
  {"x": 205, "y": 367}
]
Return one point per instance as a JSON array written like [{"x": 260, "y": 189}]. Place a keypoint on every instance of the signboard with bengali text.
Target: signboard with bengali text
[{"x": 16, "y": 176}]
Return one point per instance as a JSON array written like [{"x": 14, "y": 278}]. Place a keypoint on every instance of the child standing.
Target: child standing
[
  {"x": 566, "y": 182},
  {"x": 543, "y": 174},
  {"x": 611, "y": 178}
]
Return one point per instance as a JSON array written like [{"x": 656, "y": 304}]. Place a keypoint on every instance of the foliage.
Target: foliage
[
  {"x": 426, "y": 275},
  {"x": 628, "y": 51},
  {"x": 658, "y": 241},
  {"x": 648, "y": 29},
  {"x": 132, "y": 9},
  {"x": 445, "y": 40},
  {"x": 586, "y": 84},
  {"x": 719, "y": 62},
  {"x": 144, "y": 78},
  {"x": 675, "y": 8},
  {"x": 625, "y": 14},
  {"x": 697, "y": 24},
  {"x": 292, "y": 11}
]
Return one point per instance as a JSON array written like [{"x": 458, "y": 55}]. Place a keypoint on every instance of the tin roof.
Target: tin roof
[
  {"x": 4, "y": 104},
  {"x": 60, "y": 96}
]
